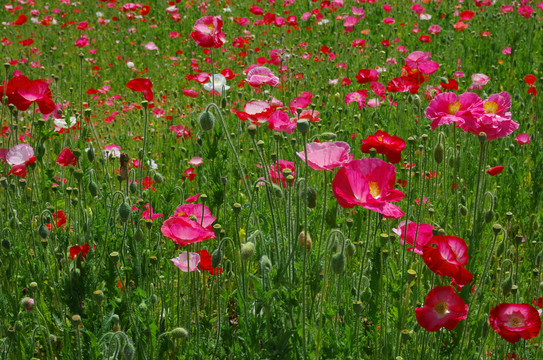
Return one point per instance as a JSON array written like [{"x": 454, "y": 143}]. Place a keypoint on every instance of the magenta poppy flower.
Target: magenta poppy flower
[
  {"x": 280, "y": 121},
  {"x": 447, "y": 108},
  {"x": 326, "y": 156},
  {"x": 515, "y": 321},
  {"x": 183, "y": 230},
  {"x": 442, "y": 308},
  {"x": 181, "y": 131},
  {"x": 496, "y": 121},
  {"x": 21, "y": 154},
  {"x": 300, "y": 102},
  {"x": 276, "y": 172},
  {"x": 261, "y": 75},
  {"x": 208, "y": 32},
  {"x": 187, "y": 261},
  {"x": 523, "y": 139},
  {"x": 358, "y": 97},
  {"x": 420, "y": 61},
  {"x": 370, "y": 184},
  {"x": 448, "y": 258},
  {"x": 199, "y": 213},
  {"x": 408, "y": 235}
]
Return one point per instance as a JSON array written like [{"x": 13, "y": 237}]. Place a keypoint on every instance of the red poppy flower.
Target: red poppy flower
[
  {"x": 205, "y": 264},
  {"x": 530, "y": 79},
  {"x": 208, "y": 32},
  {"x": 80, "y": 251},
  {"x": 145, "y": 86},
  {"x": 448, "y": 258},
  {"x": 66, "y": 157},
  {"x": 19, "y": 170},
  {"x": 22, "y": 92},
  {"x": 383, "y": 143},
  {"x": 515, "y": 321},
  {"x": 20, "y": 20},
  {"x": 442, "y": 308},
  {"x": 495, "y": 170},
  {"x": 403, "y": 84},
  {"x": 451, "y": 85},
  {"x": 367, "y": 75}
]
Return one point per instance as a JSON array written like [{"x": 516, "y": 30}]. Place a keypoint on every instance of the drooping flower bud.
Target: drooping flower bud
[
  {"x": 247, "y": 251},
  {"x": 207, "y": 121}
]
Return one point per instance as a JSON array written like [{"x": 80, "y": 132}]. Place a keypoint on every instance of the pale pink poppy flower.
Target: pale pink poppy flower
[
  {"x": 150, "y": 46},
  {"x": 478, "y": 81},
  {"x": 358, "y": 11},
  {"x": 447, "y": 108},
  {"x": 113, "y": 150},
  {"x": 459, "y": 74},
  {"x": 196, "y": 161},
  {"x": 258, "y": 110},
  {"x": 261, "y": 75},
  {"x": 373, "y": 103},
  {"x": 434, "y": 29},
  {"x": 20, "y": 154},
  {"x": 523, "y": 139},
  {"x": 326, "y": 156},
  {"x": 187, "y": 261}
]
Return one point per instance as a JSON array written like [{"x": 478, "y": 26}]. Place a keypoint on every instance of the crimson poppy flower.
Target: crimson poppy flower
[
  {"x": 367, "y": 75},
  {"x": 368, "y": 183},
  {"x": 23, "y": 92},
  {"x": 80, "y": 251},
  {"x": 208, "y": 32},
  {"x": 205, "y": 264},
  {"x": 448, "y": 258},
  {"x": 19, "y": 170},
  {"x": 145, "y": 86},
  {"x": 66, "y": 157},
  {"x": 515, "y": 321},
  {"x": 442, "y": 308},
  {"x": 495, "y": 170},
  {"x": 20, "y": 20},
  {"x": 383, "y": 143},
  {"x": 530, "y": 79},
  {"x": 403, "y": 84},
  {"x": 523, "y": 139}
]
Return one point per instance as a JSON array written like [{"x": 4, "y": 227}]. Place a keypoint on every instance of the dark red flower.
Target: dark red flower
[
  {"x": 495, "y": 170},
  {"x": 383, "y": 143},
  {"x": 367, "y": 75},
  {"x": 448, "y": 258},
  {"x": 66, "y": 157},
  {"x": 20, "y": 20},
  {"x": 205, "y": 264},
  {"x": 451, "y": 85}
]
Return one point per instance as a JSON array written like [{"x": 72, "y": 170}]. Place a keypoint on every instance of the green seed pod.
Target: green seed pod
[
  {"x": 43, "y": 231},
  {"x": 207, "y": 121},
  {"x": 438, "y": 153},
  {"x": 463, "y": 210},
  {"x": 124, "y": 211},
  {"x": 159, "y": 179},
  {"x": 350, "y": 249},
  {"x": 93, "y": 188},
  {"x": 303, "y": 126},
  {"x": 338, "y": 262},
  {"x": 179, "y": 333},
  {"x": 265, "y": 264},
  {"x": 247, "y": 251},
  {"x": 328, "y": 136},
  {"x": 216, "y": 257}
]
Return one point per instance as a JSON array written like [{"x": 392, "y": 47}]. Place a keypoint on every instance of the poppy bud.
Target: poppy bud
[
  {"x": 207, "y": 121},
  {"x": 179, "y": 333},
  {"x": 27, "y": 303},
  {"x": 265, "y": 264},
  {"x": 328, "y": 136},
  {"x": 305, "y": 240},
  {"x": 311, "y": 197},
  {"x": 93, "y": 188},
  {"x": 138, "y": 235},
  {"x": 247, "y": 251},
  {"x": 90, "y": 154},
  {"x": 128, "y": 351},
  {"x": 496, "y": 228},
  {"x": 357, "y": 307},
  {"x": 216, "y": 257},
  {"x": 277, "y": 191},
  {"x": 463, "y": 210},
  {"x": 223, "y": 103},
  {"x": 142, "y": 307},
  {"x": 124, "y": 211},
  {"x": 159, "y": 179},
  {"x": 338, "y": 262},
  {"x": 43, "y": 231},
  {"x": 489, "y": 216},
  {"x": 303, "y": 126},
  {"x": 438, "y": 153},
  {"x": 350, "y": 249},
  {"x": 133, "y": 187},
  {"x": 507, "y": 286}
]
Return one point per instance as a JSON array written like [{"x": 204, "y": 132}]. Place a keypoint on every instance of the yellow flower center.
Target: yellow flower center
[
  {"x": 375, "y": 191},
  {"x": 441, "y": 308},
  {"x": 515, "y": 322},
  {"x": 210, "y": 27},
  {"x": 380, "y": 138},
  {"x": 490, "y": 107},
  {"x": 454, "y": 107}
]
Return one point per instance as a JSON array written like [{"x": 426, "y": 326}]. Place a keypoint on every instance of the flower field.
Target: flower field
[{"x": 276, "y": 179}]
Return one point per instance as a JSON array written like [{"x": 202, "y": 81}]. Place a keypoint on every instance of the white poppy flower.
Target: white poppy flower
[{"x": 217, "y": 82}]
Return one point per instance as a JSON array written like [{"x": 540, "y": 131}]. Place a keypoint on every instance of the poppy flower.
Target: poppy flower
[
  {"x": 530, "y": 79},
  {"x": 523, "y": 139},
  {"x": 66, "y": 157},
  {"x": 217, "y": 82},
  {"x": 23, "y": 92},
  {"x": 280, "y": 121},
  {"x": 496, "y": 120},
  {"x": 442, "y": 308},
  {"x": 448, "y": 258},
  {"x": 22, "y": 19},
  {"x": 420, "y": 60},
  {"x": 190, "y": 223},
  {"x": 403, "y": 84},
  {"x": 366, "y": 76},
  {"x": 359, "y": 97},
  {"x": 80, "y": 251},
  {"x": 187, "y": 261},
  {"x": 447, "y": 108},
  {"x": 208, "y": 32},
  {"x": 181, "y": 131},
  {"x": 145, "y": 86},
  {"x": 495, "y": 170},
  {"x": 300, "y": 102},
  {"x": 383, "y": 143},
  {"x": 149, "y": 213},
  {"x": 515, "y": 321},
  {"x": 21, "y": 154},
  {"x": 259, "y": 111},
  {"x": 368, "y": 183},
  {"x": 261, "y": 75},
  {"x": 276, "y": 172},
  {"x": 478, "y": 81},
  {"x": 326, "y": 156},
  {"x": 417, "y": 235},
  {"x": 206, "y": 265},
  {"x": 19, "y": 170}
]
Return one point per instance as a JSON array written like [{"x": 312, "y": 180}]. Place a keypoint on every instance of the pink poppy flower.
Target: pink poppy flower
[
  {"x": 478, "y": 81},
  {"x": 309, "y": 115},
  {"x": 300, "y": 102},
  {"x": 187, "y": 261},
  {"x": 370, "y": 184},
  {"x": 196, "y": 161},
  {"x": 326, "y": 156},
  {"x": 208, "y": 32},
  {"x": 359, "y": 97},
  {"x": 496, "y": 121},
  {"x": 420, "y": 61},
  {"x": 193, "y": 198},
  {"x": 506, "y": 50},
  {"x": 259, "y": 111},
  {"x": 19, "y": 170},
  {"x": 21, "y": 154},
  {"x": 149, "y": 213},
  {"x": 150, "y": 46},
  {"x": 181, "y": 131},
  {"x": 280, "y": 121},
  {"x": 515, "y": 321},
  {"x": 419, "y": 239},
  {"x": 442, "y": 308},
  {"x": 276, "y": 172},
  {"x": 189, "y": 224},
  {"x": 523, "y": 139},
  {"x": 434, "y": 29},
  {"x": 261, "y": 75},
  {"x": 447, "y": 108},
  {"x": 448, "y": 258}
]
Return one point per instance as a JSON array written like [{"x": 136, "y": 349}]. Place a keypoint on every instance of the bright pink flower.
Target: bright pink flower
[
  {"x": 66, "y": 158},
  {"x": 326, "y": 156},
  {"x": 448, "y": 258},
  {"x": 309, "y": 115},
  {"x": 300, "y": 102},
  {"x": 420, "y": 61},
  {"x": 196, "y": 161},
  {"x": 523, "y": 139},
  {"x": 187, "y": 261},
  {"x": 370, "y": 184},
  {"x": 149, "y": 213},
  {"x": 478, "y": 81},
  {"x": 419, "y": 239},
  {"x": 442, "y": 308},
  {"x": 280, "y": 121},
  {"x": 181, "y": 131},
  {"x": 447, "y": 108},
  {"x": 261, "y": 75},
  {"x": 21, "y": 154},
  {"x": 189, "y": 224},
  {"x": 434, "y": 29},
  {"x": 496, "y": 121},
  {"x": 359, "y": 97},
  {"x": 515, "y": 321},
  {"x": 526, "y": 11},
  {"x": 506, "y": 50},
  {"x": 276, "y": 172},
  {"x": 208, "y": 32},
  {"x": 197, "y": 212},
  {"x": 19, "y": 170},
  {"x": 150, "y": 46}
]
